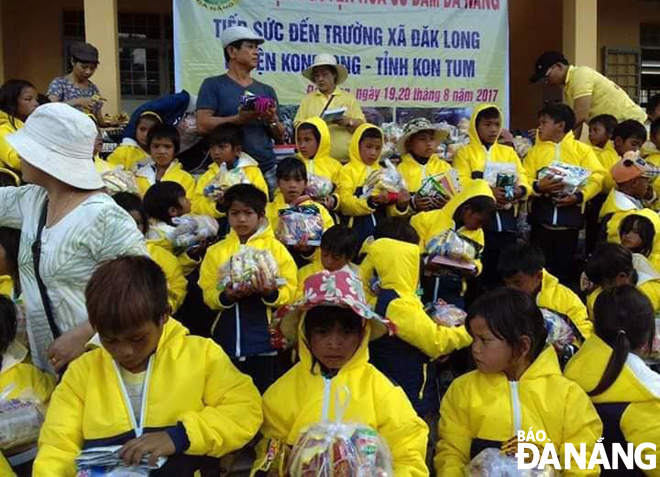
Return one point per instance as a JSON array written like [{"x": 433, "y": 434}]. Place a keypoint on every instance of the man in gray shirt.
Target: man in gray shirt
[{"x": 219, "y": 100}]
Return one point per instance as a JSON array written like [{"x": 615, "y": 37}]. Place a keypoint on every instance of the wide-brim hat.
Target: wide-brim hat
[
  {"x": 325, "y": 59},
  {"x": 342, "y": 289},
  {"x": 236, "y": 33},
  {"x": 417, "y": 125},
  {"x": 59, "y": 140}
]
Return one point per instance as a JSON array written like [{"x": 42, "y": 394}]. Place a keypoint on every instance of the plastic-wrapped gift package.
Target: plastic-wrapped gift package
[
  {"x": 245, "y": 267},
  {"x": 493, "y": 462},
  {"x": 190, "y": 230},
  {"x": 494, "y": 169},
  {"x": 560, "y": 333},
  {"x": 105, "y": 461},
  {"x": 522, "y": 145},
  {"x": 300, "y": 225},
  {"x": 445, "y": 314},
  {"x": 119, "y": 180},
  {"x": 260, "y": 104},
  {"x": 444, "y": 185},
  {"x": 386, "y": 180},
  {"x": 573, "y": 177},
  {"x": 451, "y": 249},
  {"x": 20, "y": 421},
  {"x": 318, "y": 187},
  {"x": 223, "y": 180}
]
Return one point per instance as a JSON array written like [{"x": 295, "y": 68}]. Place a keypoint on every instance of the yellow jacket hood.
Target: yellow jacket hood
[
  {"x": 354, "y": 146},
  {"x": 473, "y": 133},
  {"x": 6, "y": 123},
  {"x": 322, "y": 127},
  {"x": 556, "y": 297},
  {"x": 403, "y": 277},
  {"x": 476, "y": 188}
]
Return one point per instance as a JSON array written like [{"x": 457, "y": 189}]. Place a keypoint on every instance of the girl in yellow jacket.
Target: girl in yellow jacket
[
  {"x": 161, "y": 165},
  {"x": 18, "y": 98},
  {"x": 313, "y": 142},
  {"x": 365, "y": 213},
  {"x": 517, "y": 386},
  {"x": 241, "y": 327},
  {"x": 151, "y": 387},
  {"x": 332, "y": 325},
  {"x": 466, "y": 213},
  {"x": 131, "y": 151},
  {"x": 18, "y": 378},
  {"x": 610, "y": 368},
  {"x": 639, "y": 232}
]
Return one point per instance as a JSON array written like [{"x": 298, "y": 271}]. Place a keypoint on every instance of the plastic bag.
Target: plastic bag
[
  {"x": 451, "y": 249},
  {"x": 223, "y": 180},
  {"x": 119, "y": 180},
  {"x": 334, "y": 449},
  {"x": 245, "y": 266},
  {"x": 443, "y": 186},
  {"x": 573, "y": 177},
  {"x": 318, "y": 187},
  {"x": 20, "y": 418},
  {"x": 560, "y": 333},
  {"x": 190, "y": 230},
  {"x": 386, "y": 180},
  {"x": 260, "y": 104},
  {"x": 105, "y": 461},
  {"x": 445, "y": 314},
  {"x": 522, "y": 145},
  {"x": 492, "y": 462},
  {"x": 300, "y": 225},
  {"x": 502, "y": 174}
]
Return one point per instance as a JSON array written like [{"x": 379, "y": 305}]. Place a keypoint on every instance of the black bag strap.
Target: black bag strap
[{"x": 36, "y": 258}]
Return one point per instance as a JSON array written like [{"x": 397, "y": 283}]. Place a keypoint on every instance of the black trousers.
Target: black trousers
[
  {"x": 495, "y": 243},
  {"x": 593, "y": 227},
  {"x": 559, "y": 248},
  {"x": 264, "y": 370}
]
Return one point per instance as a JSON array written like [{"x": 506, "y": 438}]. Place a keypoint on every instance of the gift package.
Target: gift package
[
  {"x": 452, "y": 249},
  {"x": 20, "y": 420},
  {"x": 502, "y": 174},
  {"x": 119, "y": 180},
  {"x": 443, "y": 186},
  {"x": 223, "y": 180},
  {"x": 300, "y": 225},
  {"x": 190, "y": 230},
  {"x": 245, "y": 267},
  {"x": 522, "y": 145},
  {"x": 386, "y": 180},
  {"x": 560, "y": 333},
  {"x": 445, "y": 314},
  {"x": 260, "y": 104},
  {"x": 493, "y": 462},
  {"x": 573, "y": 177},
  {"x": 318, "y": 187},
  {"x": 105, "y": 461}
]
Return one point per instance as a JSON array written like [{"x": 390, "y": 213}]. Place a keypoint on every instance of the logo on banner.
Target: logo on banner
[{"x": 217, "y": 5}]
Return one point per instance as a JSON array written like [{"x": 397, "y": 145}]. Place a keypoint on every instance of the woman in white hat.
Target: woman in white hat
[
  {"x": 68, "y": 227},
  {"x": 326, "y": 74}
]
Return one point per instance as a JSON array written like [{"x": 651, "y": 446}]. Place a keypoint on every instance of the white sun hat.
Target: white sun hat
[
  {"x": 235, "y": 33},
  {"x": 325, "y": 59},
  {"x": 59, "y": 140}
]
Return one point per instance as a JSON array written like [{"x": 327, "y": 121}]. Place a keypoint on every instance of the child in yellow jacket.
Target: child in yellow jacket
[
  {"x": 241, "y": 327},
  {"x": 225, "y": 147},
  {"x": 610, "y": 367},
  {"x": 332, "y": 325},
  {"x": 557, "y": 215},
  {"x": 639, "y": 232},
  {"x": 480, "y": 159},
  {"x": 18, "y": 378},
  {"x": 364, "y": 213},
  {"x": 517, "y": 386},
  {"x": 151, "y": 387},
  {"x": 18, "y": 98},
  {"x": 466, "y": 213},
  {"x": 161, "y": 165},
  {"x": 131, "y": 151}
]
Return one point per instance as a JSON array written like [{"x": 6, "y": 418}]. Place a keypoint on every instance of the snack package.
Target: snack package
[
  {"x": 260, "y": 104},
  {"x": 223, "y": 180},
  {"x": 493, "y": 462},
  {"x": 318, "y": 187},
  {"x": 300, "y": 225},
  {"x": 245, "y": 266},
  {"x": 20, "y": 419},
  {"x": 522, "y": 145},
  {"x": 334, "y": 449},
  {"x": 443, "y": 186},
  {"x": 451, "y": 249},
  {"x": 573, "y": 177},
  {"x": 445, "y": 314},
  {"x": 386, "y": 180},
  {"x": 560, "y": 333},
  {"x": 119, "y": 180},
  {"x": 502, "y": 174},
  {"x": 190, "y": 230},
  {"x": 105, "y": 461}
]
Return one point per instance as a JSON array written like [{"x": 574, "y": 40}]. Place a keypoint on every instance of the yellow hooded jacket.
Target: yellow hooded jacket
[
  {"x": 556, "y": 297},
  {"x": 8, "y": 155},
  {"x": 127, "y": 154},
  {"x": 310, "y": 398},
  {"x": 614, "y": 232},
  {"x": 569, "y": 151},
  {"x": 608, "y": 157},
  {"x": 230, "y": 328},
  {"x": 205, "y": 206},
  {"x": 615, "y": 207},
  {"x": 177, "y": 285},
  {"x": 146, "y": 177},
  {"x": 27, "y": 382},
  {"x": 480, "y": 407},
  {"x": 639, "y": 400},
  {"x": 189, "y": 380},
  {"x": 6, "y": 285}
]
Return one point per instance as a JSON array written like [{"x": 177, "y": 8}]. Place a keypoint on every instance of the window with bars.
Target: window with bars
[
  {"x": 650, "y": 49},
  {"x": 622, "y": 65}
]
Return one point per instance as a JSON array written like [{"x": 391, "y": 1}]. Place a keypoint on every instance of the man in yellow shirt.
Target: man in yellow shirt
[{"x": 586, "y": 91}]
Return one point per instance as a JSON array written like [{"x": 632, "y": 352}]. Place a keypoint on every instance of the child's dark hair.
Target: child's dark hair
[
  {"x": 132, "y": 202},
  {"x": 226, "y": 134},
  {"x": 164, "y": 131},
  {"x": 630, "y": 129},
  {"x": 480, "y": 204},
  {"x": 520, "y": 258},
  {"x": 624, "y": 319},
  {"x": 160, "y": 197},
  {"x": 371, "y": 133},
  {"x": 312, "y": 128},
  {"x": 291, "y": 168},
  {"x": 488, "y": 113},
  {"x": 9, "y": 94},
  {"x": 608, "y": 121},
  {"x": 8, "y": 324},
  {"x": 652, "y": 105},
  {"x": 340, "y": 240},
  {"x": 645, "y": 230},
  {"x": 510, "y": 315},
  {"x": 124, "y": 293},
  {"x": 325, "y": 318},
  {"x": 608, "y": 261},
  {"x": 249, "y": 195},
  {"x": 396, "y": 228},
  {"x": 559, "y": 112},
  {"x": 655, "y": 127},
  {"x": 7, "y": 180},
  {"x": 10, "y": 240}
]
